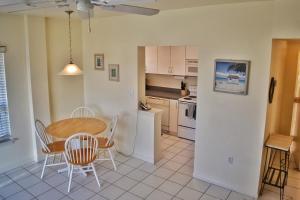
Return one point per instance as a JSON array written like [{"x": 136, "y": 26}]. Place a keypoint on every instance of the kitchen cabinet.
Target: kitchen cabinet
[
  {"x": 164, "y": 60},
  {"x": 173, "y": 116},
  {"x": 191, "y": 52},
  {"x": 171, "y": 60},
  {"x": 164, "y": 105},
  {"x": 178, "y": 60},
  {"x": 151, "y": 59}
]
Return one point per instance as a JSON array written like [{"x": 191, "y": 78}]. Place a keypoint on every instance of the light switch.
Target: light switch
[{"x": 131, "y": 92}]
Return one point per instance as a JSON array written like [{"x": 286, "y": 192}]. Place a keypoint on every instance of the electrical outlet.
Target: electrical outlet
[{"x": 230, "y": 160}]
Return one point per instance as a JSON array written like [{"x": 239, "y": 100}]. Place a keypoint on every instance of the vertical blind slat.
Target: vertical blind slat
[{"x": 4, "y": 114}]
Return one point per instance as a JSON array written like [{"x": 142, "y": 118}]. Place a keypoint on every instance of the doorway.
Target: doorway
[
  {"x": 161, "y": 89},
  {"x": 283, "y": 113}
]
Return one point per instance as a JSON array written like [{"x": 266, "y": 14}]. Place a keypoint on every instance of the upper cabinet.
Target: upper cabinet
[
  {"x": 151, "y": 59},
  {"x": 164, "y": 60},
  {"x": 191, "y": 52},
  {"x": 178, "y": 60},
  {"x": 170, "y": 60}
]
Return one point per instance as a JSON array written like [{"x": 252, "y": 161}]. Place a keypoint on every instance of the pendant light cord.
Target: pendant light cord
[
  {"x": 89, "y": 21},
  {"x": 70, "y": 36}
]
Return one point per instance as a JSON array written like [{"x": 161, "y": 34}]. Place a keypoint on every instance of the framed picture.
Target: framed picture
[
  {"x": 114, "y": 72},
  {"x": 99, "y": 61},
  {"x": 231, "y": 76}
]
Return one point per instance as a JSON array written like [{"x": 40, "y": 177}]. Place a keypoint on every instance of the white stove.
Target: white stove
[
  {"x": 187, "y": 115},
  {"x": 188, "y": 99}
]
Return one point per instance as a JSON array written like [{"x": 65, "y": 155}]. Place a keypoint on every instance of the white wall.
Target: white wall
[
  {"x": 39, "y": 73},
  {"x": 13, "y": 36},
  {"x": 286, "y": 19},
  {"x": 239, "y": 31},
  {"x": 66, "y": 93},
  {"x": 37, "y": 46}
]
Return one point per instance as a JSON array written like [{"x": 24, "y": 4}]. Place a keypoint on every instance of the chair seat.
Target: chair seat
[
  {"x": 102, "y": 143},
  {"x": 55, "y": 147},
  {"x": 78, "y": 157}
]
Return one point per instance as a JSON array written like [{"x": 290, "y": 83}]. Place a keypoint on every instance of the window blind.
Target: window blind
[{"x": 4, "y": 114}]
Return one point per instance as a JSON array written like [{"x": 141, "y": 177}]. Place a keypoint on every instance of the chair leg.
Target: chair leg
[
  {"x": 112, "y": 159},
  {"x": 44, "y": 166},
  {"x": 95, "y": 173},
  {"x": 68, "y": 165},
  {"x": 70, "y": 178}
]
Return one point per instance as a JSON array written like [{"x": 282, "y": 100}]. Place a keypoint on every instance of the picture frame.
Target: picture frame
[
  {"x": 231, "y": 76},
  {"x": 114, "y": 72},
  {"x": 99, "y": 61}
]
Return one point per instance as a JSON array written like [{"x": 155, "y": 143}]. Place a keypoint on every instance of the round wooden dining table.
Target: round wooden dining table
[{"x": 68, "y": 127}]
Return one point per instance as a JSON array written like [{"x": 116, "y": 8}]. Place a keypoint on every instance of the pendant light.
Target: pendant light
[{"x": 70, "y": 69}]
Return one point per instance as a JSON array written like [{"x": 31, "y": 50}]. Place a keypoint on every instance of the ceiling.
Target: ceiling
[{"x": 47, "y": 9}]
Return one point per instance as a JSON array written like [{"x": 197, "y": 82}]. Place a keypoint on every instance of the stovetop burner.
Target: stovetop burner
[{"x": 189, "y": 99}]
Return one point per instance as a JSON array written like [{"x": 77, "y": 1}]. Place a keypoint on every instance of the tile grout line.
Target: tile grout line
[{"x": 110, "y": 170}]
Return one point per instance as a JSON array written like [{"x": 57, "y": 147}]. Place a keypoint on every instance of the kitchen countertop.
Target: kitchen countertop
[{"x": 167, "y": 93}]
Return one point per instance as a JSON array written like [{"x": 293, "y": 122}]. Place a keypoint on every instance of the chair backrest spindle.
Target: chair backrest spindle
[
  {"x": 113, "y": 127},
  {"x": 44, "y": 138},
  {"x": 85, "y": 152},
  {"x": 83, "y": 112}
]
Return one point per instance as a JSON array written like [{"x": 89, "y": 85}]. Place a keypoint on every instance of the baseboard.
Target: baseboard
[
  {"x": 221, "y": 184},
  {"x": 149, "y": 159}
]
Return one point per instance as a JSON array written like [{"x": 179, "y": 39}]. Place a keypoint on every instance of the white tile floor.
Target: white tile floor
[{"x": 170, "y": 178}]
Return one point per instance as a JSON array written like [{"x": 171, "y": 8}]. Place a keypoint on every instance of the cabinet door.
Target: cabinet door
[
  {"x": 151, "y": 59},
  {"x": 163, "y": 60},
  {"x": 173, "y": 116},
  {"x": 191, "y": 52},
  {"x": 178, "y": 60}
]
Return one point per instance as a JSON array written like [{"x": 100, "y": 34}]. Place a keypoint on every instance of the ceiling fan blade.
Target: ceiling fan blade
[
  {"x": 131, "y": 9},
  {"x": 118, "y": 2},
  {"x": 32, "y": 5},
  {"x": 31, "y": 2},
  {"x": 30, "y": 8}
]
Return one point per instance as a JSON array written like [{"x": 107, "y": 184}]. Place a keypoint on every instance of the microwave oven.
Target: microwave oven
[{"x": 191, "y": 67}]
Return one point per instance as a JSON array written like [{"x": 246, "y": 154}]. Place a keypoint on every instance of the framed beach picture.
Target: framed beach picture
[
  {"x": 114, "y": 72},
  {"x": 231, "y": 76},
  {"x": 99, "y": 61}
]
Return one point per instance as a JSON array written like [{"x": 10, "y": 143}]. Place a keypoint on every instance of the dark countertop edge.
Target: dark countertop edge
[{"x": 160, "y": 94}]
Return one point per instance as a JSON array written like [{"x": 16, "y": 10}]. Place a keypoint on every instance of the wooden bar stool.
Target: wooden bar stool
[{"x": 272, "y": 175}]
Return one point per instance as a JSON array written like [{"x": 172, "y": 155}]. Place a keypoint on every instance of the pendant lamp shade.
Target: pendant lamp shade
[{"x": 70, "y": 69}]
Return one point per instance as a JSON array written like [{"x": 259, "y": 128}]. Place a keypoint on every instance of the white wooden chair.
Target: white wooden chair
[
  {"x": 81, "y": 152},
  {"x": 50, "y": 148},
  {"x": 107, "y": 143},
  {"x": 82, "y": 112}
]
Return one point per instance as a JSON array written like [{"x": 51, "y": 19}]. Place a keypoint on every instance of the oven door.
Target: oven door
[{"x": 183, "y": 120}]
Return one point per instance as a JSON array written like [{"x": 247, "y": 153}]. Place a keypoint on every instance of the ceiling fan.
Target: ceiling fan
[{"x": 84, "y": 7}]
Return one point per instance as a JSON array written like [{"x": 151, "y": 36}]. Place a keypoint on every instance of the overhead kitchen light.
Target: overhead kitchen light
[{"x": 70, "y": 69}]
